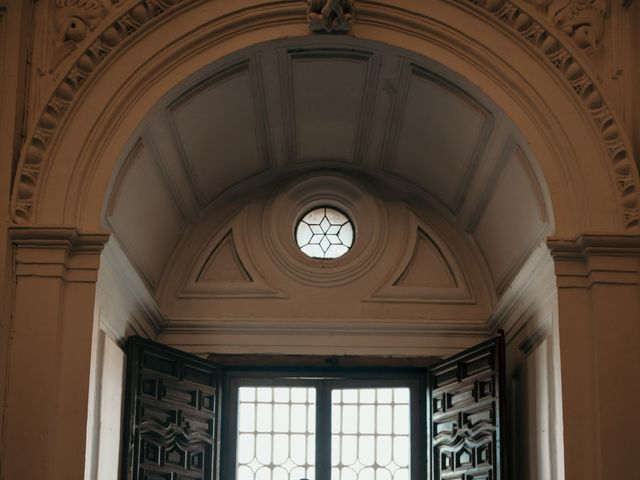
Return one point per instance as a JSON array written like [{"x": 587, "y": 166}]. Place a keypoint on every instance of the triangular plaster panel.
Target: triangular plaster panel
[
  {"x": 223, "y": 270},
  {"x": 427, "y": 267},
  {"x": 429, "y": 273},
  {"x": 224, "y": 265}
]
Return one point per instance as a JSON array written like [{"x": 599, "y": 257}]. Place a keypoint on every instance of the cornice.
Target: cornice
[
  {"x": 57, "y": 252},
  {"x": 596, "y": 259},
  {"x": 108, "y": 38},
  {"x": 594, "y": 244}
]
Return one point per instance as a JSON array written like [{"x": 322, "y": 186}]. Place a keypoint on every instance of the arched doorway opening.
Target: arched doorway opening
[{"x": 557, "y": 168}]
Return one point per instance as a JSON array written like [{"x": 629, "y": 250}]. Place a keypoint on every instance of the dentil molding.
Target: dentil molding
[{"x": 114, "y": 35}]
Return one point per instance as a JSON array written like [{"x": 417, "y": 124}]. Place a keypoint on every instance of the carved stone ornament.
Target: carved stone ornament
[
  {"x": 330, "y": 15},
  {"x": 583, "y": 20},
  {"x": 73, "y": 21},
  {"x": 546, "y": 43}
]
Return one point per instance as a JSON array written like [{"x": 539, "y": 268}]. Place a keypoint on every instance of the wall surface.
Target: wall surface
[{"x": 14, "y": 39}]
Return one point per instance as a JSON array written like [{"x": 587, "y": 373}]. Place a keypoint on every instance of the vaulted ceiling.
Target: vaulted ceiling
[{"x": 302, "y": 105}]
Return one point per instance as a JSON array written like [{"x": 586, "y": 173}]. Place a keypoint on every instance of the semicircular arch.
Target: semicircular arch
[{"x": 582, "y": 153}]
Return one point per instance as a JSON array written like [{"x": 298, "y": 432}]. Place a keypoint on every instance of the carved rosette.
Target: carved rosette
[
  {"x": 330, "y": 15},
  {"x": 503, "y": 11}
]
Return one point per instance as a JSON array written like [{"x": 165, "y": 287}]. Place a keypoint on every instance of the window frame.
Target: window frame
[{"x": 324, "y": 379}]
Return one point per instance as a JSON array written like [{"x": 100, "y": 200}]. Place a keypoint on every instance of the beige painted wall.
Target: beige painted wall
[{"x": 13, "y": 39}]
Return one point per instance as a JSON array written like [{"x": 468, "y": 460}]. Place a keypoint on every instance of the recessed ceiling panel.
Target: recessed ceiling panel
[
  {"x": 513, "y": 220},
  {"x": 328, "y": 96},
  {"x": 143, "y": 213},
  {"x": 437, "y": 135},
  {"x": 219, "y": 127}
]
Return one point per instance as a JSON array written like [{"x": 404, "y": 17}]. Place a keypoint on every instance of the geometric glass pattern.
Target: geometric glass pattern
[
  {"x": 370, "y": 434},
  {"x": 276, "y": 433},
  {"x": 324, "y": 233}
]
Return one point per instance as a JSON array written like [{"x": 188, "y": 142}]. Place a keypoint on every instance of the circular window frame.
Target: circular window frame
[
  {"x": 325, "y": 207},
  {"x": 289, "y": 203}
]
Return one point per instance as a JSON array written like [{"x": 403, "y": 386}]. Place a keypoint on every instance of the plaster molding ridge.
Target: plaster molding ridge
[
  {"x": 582, "y": 246},
  {"x": 598, "y": 258},
  {"x": 57, "y": 252},
  {"x": 58, "y": 236},
  {"x": 531, "y": 31},
  {"x": 323, "y": 327}
]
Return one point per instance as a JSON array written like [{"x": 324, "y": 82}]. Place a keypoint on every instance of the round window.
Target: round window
[{"x": 324, "y": 232}]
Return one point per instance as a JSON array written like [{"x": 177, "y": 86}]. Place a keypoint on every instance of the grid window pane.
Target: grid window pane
[
  {"x": 276, "y": 433},
  {"x": 370, "y": 434}
]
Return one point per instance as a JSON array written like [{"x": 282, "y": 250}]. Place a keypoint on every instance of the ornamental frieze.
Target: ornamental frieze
[
  {"x": 582, "y": 20},
  {"x": 73, "y": 21},
  {"x": 579, "y": 20}
]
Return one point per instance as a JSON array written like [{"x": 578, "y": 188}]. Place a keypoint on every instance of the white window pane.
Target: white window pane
[
  {"x": 401, "y": 419},
  {"x": 366, "y": 474},
  {"x": 368, "y": 395},
  {"x": 246, "y": 417},
  {"x": 367, "y": 417},
  {"x": 385, "y": 395},
  {"x": 247, "y": 394},
  {"x": 384, "y": 450},
  {"x": 281, "y": 418},
  {"x": 263, "y": 420},
  {"x": 298, "y": 449},
  {"x": 246, "y": 450},
  {"x": 383, "y": 474},
  {"x": 349, "y": 449},
  {"x": 278, "y": 443},
  {"x": 401, "y": 395},
  {"x": 366, "y": 450},
  {"x": 350, "y": 419},
  {"x": 281, "y": 395},
  {"x": 384, "y": 419},
  {"x": 280, "y": 448},
  {"x": 298, "y": 418},
  {"x": 401, "y": 449},
  {"x": 263, "y": 448},
  {"x": 244, "y": 473},
  {"x": 264, "y": 394},
  {"x": 263, "y": 473},
  {"x": 298, "y": 395},
  {"x": 370, "y": 433}
]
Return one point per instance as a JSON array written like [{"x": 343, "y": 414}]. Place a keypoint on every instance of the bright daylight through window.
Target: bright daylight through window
[
  {"x": 369, "y": 435},
  {"x": 324, "y": 233}
]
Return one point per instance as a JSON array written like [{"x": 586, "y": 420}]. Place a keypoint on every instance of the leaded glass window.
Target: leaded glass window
[
  {"x": 327, "y": 428},
  {"x": 324, "y": 233}
]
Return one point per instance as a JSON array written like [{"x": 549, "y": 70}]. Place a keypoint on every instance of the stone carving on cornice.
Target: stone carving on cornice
[
  {"x": 330, "y": 15},
  {"x": 575, "y": 75},
  {"x": 583, "y": 20},
  {"x": 504, "y": 11},
  {"x": 115, "y": 34},
  {"x": 73, "y": 21}
]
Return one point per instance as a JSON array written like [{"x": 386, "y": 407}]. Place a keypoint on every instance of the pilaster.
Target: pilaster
[
  {"x": 598, "y": 279},
  {"x": 55, "y": 270}
]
